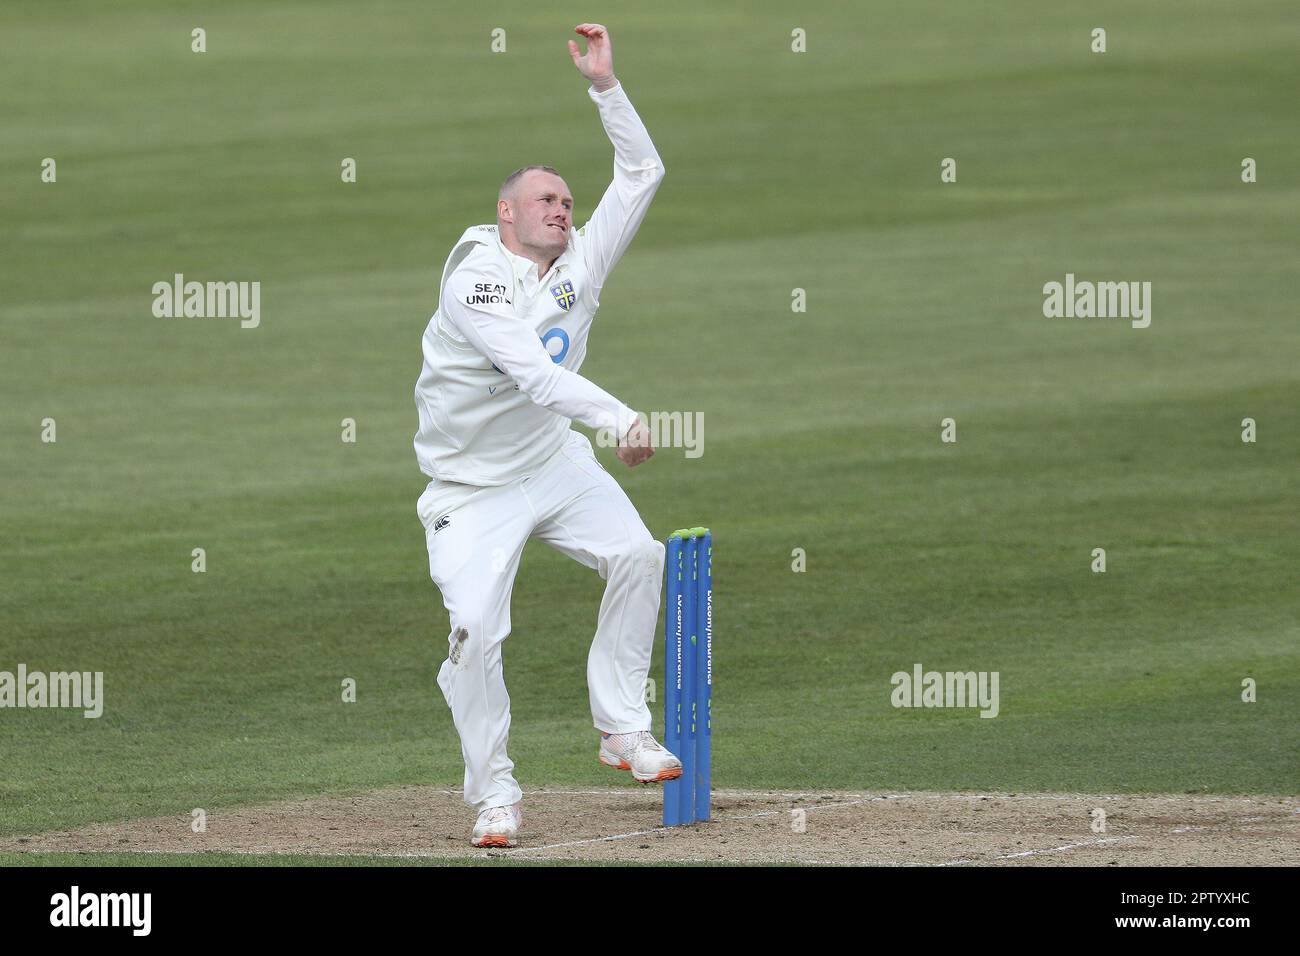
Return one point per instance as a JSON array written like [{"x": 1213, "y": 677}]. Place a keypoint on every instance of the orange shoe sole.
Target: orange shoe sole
[
  {"x": 672, "y": 773},
  {"x": 492, "y": 840}
]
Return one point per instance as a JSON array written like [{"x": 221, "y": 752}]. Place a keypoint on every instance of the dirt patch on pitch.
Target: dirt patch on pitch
[{"x": 825, "y": 828}]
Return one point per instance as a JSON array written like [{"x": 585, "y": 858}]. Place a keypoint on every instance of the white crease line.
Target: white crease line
[
  {"x": 635, "y": 833},
  {"x": 495, "y": 853},
  {"x": 1055, "y": 849},
  {"x": 604, "y": 839},
  {"x": 386, "y": 854}
]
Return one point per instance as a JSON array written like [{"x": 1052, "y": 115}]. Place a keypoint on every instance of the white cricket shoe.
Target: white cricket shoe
[
  {"x": 649, "y": 760},
  {"x": 498, "y": 826}
]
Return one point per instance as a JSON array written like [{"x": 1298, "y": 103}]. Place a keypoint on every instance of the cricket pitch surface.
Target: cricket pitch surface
[{"x": 622, "y": 825}]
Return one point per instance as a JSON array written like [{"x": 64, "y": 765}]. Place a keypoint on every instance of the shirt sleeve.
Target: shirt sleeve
[
  {"x": 638, "y": 170},
  {"x": 494, "y": 329}
]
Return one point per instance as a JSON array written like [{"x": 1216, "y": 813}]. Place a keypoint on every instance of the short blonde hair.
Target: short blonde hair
[{"x": 508, "y": 187}]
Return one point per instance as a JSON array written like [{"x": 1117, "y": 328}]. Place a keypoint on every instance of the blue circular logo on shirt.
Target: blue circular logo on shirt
[{"x": 556, "y": 357}]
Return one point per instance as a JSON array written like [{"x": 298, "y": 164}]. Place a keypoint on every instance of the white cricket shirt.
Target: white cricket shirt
[{"x": 500, "y": 385}]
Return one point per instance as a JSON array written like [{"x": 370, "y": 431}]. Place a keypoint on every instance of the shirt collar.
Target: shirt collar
[{"x": 524, "y": 267}]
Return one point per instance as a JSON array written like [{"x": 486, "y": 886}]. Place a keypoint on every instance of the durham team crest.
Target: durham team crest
[{"x": 564, "y": 295}]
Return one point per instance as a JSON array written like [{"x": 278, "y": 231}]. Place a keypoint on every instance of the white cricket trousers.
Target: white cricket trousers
[{"x": 476, "y": 536}]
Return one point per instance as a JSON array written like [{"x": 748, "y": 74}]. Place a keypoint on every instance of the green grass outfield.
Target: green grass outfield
[{"x": 818, "y": 171}]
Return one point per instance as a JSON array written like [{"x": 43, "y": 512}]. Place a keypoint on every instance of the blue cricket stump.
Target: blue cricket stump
[
  {"x": 674, "y": 623},
  {"x": 688, "y": 673}
]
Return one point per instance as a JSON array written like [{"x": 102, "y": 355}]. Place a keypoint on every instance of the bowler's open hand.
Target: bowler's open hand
[{"x": 597, "y": 65}]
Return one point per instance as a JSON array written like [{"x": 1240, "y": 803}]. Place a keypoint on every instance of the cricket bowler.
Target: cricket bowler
[{"x": 497, "y": 397}]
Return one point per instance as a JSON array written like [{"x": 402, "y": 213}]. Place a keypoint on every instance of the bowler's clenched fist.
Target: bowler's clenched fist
[{"x": 636, "y": 445}]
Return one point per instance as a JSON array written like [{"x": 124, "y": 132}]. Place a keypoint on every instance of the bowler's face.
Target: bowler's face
[{"x": 543, "y": 211}]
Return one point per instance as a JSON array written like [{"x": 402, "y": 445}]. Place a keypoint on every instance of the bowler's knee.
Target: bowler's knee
[
  {"x": 642, "y": 558},
  {"x": 654, "y": 553},
  {"x": 476, "y": 637}
]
